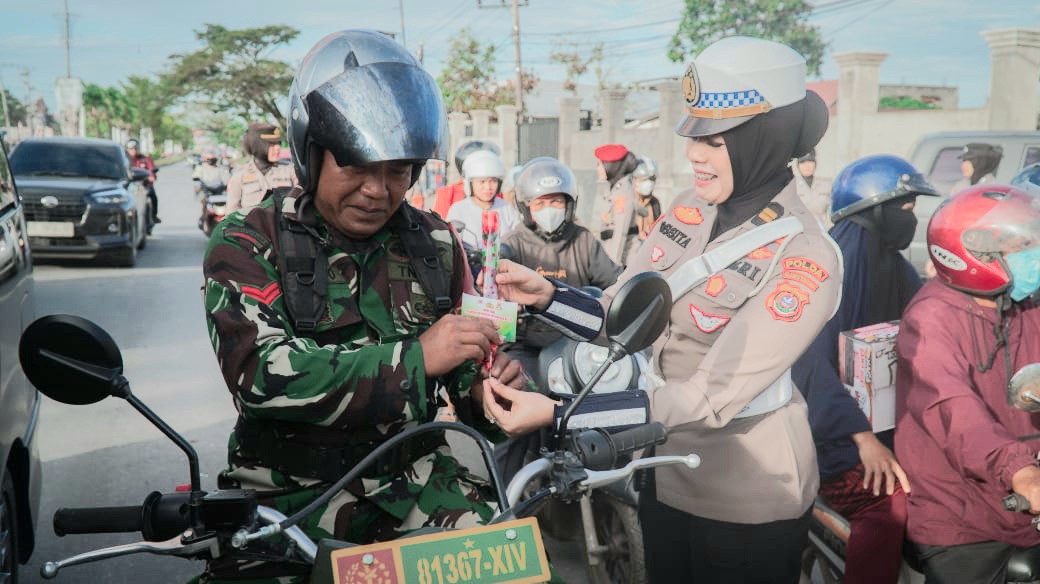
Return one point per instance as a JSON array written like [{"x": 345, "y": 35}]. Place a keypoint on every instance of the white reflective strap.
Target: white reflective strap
[
  {"x": 696, "y": 270},
  {"x": 772, "y": 398}
]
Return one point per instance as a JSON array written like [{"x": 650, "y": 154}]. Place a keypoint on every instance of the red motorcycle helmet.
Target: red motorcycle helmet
[{"x": 972, "y": 230}]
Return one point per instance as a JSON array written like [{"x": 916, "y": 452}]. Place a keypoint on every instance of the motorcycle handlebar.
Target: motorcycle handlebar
[
  {"x": 639, "y": 437},
  {"x": 98, "y": 520},
  {"x": 599, "y": 450}
]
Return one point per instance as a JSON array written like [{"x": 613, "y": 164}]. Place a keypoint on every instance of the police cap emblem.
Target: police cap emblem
[{"x": 691, "y": 86}]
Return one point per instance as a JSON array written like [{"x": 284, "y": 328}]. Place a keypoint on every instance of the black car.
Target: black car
[
  {"x": 82, "y": 199},
  {"x": 19, "y": 401}
]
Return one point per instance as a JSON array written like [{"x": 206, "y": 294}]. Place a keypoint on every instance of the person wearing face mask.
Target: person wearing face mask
[
  {"x": 754, "y": 279},
  {"x": 860, "y": 477},
  {"x": 482, "y": 171},
  {"x": 648, "y": 207},
  {"x": 615, "y": 164},
  {"x": 961, "y": 339}
]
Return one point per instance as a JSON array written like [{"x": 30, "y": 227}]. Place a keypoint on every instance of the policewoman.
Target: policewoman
[{"x": 754, "y": 278}]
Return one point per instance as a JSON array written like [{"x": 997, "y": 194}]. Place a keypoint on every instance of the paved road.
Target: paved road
[{"x": 106, "y": 454}]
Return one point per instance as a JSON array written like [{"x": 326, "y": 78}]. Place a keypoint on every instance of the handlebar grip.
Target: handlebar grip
[
  {"x": 1015, "y": 502},
  {"x": 639, "y": 437},
  {"x": 98, "y": 520}
]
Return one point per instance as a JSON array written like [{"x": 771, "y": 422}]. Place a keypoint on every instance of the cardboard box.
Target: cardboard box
[
  {"x": 879, "y": 405},
  {"x": 867, "y": 366}
]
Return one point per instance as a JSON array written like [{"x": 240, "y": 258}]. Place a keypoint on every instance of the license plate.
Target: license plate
[
  {"x": 505, "y": 553},
  {"x": 50, "y": 229}
]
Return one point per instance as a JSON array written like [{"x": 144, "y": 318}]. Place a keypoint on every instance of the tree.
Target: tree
[
  {"x": 233, "y": 69},
  {"x": 106, "y": 108},
  {"x": 16, "y": 110},
  {"x": 577, "y": 63},
  {"x": 784, "y": 21},
  {"x": 468, "y": 79},
  {"x": 905, "y": 103}
]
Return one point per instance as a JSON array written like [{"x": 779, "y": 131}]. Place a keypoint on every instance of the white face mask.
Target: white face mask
[
  {"x": 549, "y": 219},
  {"x": 645, "y": 188}
]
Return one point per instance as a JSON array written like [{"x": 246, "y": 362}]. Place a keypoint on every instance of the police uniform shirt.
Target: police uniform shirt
[{"x": 248, "y": 186}]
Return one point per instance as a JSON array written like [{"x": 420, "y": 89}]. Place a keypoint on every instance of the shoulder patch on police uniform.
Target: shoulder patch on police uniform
[
  {"x": 707, "y": 323},
  {"x": 689, "y": 215},
  {"x": 772, "y": 212},
  {"x": 249, "y": 177},
  {"x": 806, "y": 265},
  {"x": 787, "y": 301},
  {"x": 656, "y": 254}
]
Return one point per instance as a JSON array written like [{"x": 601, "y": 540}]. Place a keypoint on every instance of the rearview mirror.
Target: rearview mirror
[
  {"x": 70, "y": 359},
  {"x": 639, "y": 312},
  {"x": 139, "y": 174},
  {"x": 1024, "y": 389}
]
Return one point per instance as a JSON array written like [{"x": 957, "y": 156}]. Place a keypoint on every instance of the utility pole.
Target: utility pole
[
  {"x": 400, "y": 5},
  {"x": 516, "y": 51},
  {"x": 68, "y": 60},
  {"x": 3, "y": 98}
]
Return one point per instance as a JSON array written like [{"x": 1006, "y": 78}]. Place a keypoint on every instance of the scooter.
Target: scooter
[
  {"x": 73, "y": 361},
  {"x": 214, "y": 206},
  {"x": 824, "y": 558}
]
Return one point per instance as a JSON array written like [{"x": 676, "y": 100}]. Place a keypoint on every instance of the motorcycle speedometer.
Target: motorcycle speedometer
[{"x": 587, "y": 359}]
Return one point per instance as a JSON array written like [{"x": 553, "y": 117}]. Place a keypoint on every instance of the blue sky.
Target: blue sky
[{"x": 930, "y": 42}]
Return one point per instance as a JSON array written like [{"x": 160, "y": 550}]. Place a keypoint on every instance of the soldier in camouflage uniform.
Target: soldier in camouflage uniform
[{"x": 311, "y": 404}]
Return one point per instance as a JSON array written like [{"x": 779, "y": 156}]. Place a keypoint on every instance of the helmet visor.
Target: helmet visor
[
  {"x": 1011, "y": 224},
  {"x": 379, "y": 112}
]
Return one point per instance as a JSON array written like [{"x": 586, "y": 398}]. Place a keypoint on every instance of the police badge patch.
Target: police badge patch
[
  {"x": 691, "y": 86},
  {"x": 787, "y": 301}
]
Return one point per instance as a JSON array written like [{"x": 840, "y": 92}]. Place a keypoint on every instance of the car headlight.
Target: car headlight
[
  {"x": 587, "y": 359},
  {"x": 110, "y": 197}
]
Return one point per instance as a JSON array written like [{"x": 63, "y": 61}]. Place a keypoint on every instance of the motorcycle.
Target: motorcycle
[
  {"x": 214, "y": 206},
  {"x": 74, "y": 361},
  {"x": 824, "y": 558}
]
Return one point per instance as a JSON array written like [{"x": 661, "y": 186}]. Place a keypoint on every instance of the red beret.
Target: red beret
[{"x": 610, "y": 152}]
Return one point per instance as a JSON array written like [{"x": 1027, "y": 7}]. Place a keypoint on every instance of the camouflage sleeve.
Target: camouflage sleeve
[{"x": 273, "y": 373}]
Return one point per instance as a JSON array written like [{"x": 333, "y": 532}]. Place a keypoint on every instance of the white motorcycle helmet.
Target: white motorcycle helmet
[{"x": 482, "y": 164}]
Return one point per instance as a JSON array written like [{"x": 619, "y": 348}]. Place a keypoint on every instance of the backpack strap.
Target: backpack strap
[
  {"x": 303, "y": 263},
  {"x": 424, "y": 259}
]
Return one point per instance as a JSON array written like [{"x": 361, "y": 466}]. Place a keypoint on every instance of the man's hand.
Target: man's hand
[
  {"x": 505, "y": 370},
  {"x": 1026, "y": 482},
  {"x": 455, "y": 339},
  {"x": 518, "y": 283},
  {"x": 879, "y": 464},
  {"x": 516, "y": 412}
]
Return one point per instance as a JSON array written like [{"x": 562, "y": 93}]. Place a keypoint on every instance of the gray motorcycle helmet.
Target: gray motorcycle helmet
[
  {"x": 544, "y": 176},
  {"x": 370, "y": 100},
  {"x": 647, "y": 169}
]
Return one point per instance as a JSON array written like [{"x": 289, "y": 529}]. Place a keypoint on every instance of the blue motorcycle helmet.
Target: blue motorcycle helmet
[
  {"x": 873, "y": 180},
  {"x": 1028, "y": 177}
]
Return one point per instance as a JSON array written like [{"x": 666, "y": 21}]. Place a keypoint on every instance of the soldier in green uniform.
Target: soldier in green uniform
[{"x": 327, "y": 358}]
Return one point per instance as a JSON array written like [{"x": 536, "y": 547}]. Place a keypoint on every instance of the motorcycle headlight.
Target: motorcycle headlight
[
  {"x": 587, "y": 359},
  {"x": 109, "y": 197}
]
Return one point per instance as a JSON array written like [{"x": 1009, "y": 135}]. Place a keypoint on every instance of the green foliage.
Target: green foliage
[
  {"x": 577, "y": 62},
  {"x": 904, "y": 102},
  {"x": 468, "y": 79},
  {"x": 233, "y": 70},
  {"x": 784, "y": 21},
  {"x": 106, "y": 108},
  {"x": 16, "y": 110},
  {"x": 139, "y": 103}
]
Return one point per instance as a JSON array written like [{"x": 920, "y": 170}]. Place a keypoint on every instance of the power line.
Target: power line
[{"x": 597, "y": 31}]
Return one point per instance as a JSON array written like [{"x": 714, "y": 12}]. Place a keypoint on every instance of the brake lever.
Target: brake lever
[
  {"x": 599, "y": 478},
  {"x": 170, "y": 547}
]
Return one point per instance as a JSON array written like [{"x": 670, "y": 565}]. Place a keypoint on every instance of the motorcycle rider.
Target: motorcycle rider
[
  {"x": 723, "y": 389},
  {"x": 210, "y": 173},
  {"x": 814, "y": 191},
  {"x": 139, "y": 159},
  {"x": 860, "y": 477},
  {"x": 482, "y": 175},
  {"x": 648, "y": 207},
  {"x": 961, "y": 338},
  {"x": 615, "y": 164},
  {"x": 979, "y": 162},
  {"x": 448, "y": 195},
  {"x": 250, "y": 184},
  {"x": 317, "y": 390}
]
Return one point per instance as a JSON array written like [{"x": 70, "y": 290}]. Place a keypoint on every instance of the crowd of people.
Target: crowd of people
[{"x": 332, "y": 307}]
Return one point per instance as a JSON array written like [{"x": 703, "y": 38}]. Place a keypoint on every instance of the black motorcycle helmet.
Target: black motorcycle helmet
[
  {"x": 472, "y": 146},
  {"x": 371, "y": 102}
]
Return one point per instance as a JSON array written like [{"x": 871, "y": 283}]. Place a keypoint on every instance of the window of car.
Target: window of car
[
  {"x": 68, "y": 159},
  {"x": 1032, "y": 156},
  {"x": 7, "y": 196},
  {"x": 946, "y": 170}
]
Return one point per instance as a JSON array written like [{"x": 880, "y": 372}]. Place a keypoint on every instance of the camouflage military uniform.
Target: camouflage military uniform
[{"x": 354, "y": 382}]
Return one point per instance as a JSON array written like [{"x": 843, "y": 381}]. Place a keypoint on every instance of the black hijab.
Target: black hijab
[
  {"x": 619, "y": 169},
  {"x": 760, "y": 151}
]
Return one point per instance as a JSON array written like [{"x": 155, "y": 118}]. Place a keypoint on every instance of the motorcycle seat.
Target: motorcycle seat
[{"x": 1024, "y": 565}]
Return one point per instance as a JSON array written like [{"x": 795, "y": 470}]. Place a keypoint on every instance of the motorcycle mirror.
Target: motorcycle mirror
[
  {"x": 639, "y": 312},
  {"x": 1024, "y": 389},
  {"x": 459, "y": 226},
  {"x": 139, "y": 174},
  {"x": 70, "y": 359}
]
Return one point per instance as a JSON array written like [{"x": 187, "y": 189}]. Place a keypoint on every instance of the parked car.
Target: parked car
[
  {"x": 19, "y": 402},
  {"x": 82, "y": 199},
  {"x": 936, "y": 155}
]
